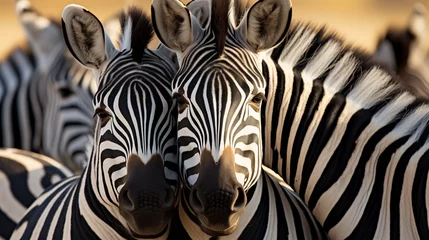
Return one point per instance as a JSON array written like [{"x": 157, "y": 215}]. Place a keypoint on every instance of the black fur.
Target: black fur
[
  {"x": 219, "y": 23},
  {"x": 141, "y": 33}
]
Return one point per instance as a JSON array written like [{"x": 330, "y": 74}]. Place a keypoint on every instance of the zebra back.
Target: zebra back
[
  {"x": 346, "y": 137},
  {"x": 24, "y": 176}
]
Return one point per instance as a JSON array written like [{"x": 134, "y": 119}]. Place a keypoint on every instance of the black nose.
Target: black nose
[
  {"x": 150, "y": 199},
  {"x": 221, "y": 200},
  {"x": 146, "y": 200},
  {"x": 217, "y": 198}
]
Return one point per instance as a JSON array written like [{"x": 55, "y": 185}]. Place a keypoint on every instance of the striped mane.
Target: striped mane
[
  {"x": 308, "y": 42},
  {"x": 349, "y": 74},
  {"x": 138, "y": 35}
]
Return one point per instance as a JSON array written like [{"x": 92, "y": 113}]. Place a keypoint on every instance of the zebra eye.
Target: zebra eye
[
  {"x": 102, "y": 114},
  {"x": 65, "y": 92},
  {"x": 258, "y": 98},
  {"x": 182, "y": 103},
  {"x": 256, "y": 101}
]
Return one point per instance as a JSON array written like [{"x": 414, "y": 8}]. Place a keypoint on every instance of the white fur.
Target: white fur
[
  {"x": 126, "y": 36},
  {"x": 372, "y": 88},
  {"x": 322, "y": 61},
  {"x": 297, "y": 46},
  {"x": 341, "y": 73}
]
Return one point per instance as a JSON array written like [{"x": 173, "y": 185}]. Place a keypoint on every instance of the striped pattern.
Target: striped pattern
[
  {"x": 135, "y": 116},
  {"x": 347, "y": 139},
  {"x": 273, "y": 211},
  {"x": 45, "y": 96},
  {"x": 46, "y": 112},
  {"x": 23, "y": 177}
]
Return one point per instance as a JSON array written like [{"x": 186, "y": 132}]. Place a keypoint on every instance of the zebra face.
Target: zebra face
[
  {"x": 68, "y": 112},
  {"x": 219, "y": 88},
  {"x": 136, "y": 133},
  {"x": 134, "y": 156}
]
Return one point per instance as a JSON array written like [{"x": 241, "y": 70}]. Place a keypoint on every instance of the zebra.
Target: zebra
[
  {"x": 45, "y": 96},
  {"x": 282, "y": 205},
  {"x": 24, "y": 175},
  {"x": 405, "y": 52},
  {"x": 129, "y": 187},
  {"x": 335, "y": 126},
  {"x": 219, "y": 102}
]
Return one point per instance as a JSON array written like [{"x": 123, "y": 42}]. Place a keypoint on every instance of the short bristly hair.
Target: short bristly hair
[{"x": 141, "y": 31}]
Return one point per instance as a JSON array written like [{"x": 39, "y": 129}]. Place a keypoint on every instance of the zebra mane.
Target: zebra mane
[
  {"x": 305, "y": 44},
  {"x": 219, "y": 22},
  {"x": 351, "y": 74},
  {"x": 140, "y": 33}
]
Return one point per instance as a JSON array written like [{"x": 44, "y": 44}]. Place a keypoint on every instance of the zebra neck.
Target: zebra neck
[
  {"x": 20, "y": 108},
  {"x": 345, "y": 138},
  {"x": 252, "y": 213},
  {"x": 92, "y": 211}
]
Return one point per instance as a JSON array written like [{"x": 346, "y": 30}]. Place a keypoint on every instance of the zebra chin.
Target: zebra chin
[
  {"x": 217, "y": 198},
  {"x": 147, "y": 201}
]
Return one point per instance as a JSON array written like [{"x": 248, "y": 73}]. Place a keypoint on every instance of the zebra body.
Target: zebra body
[
  {"x": 219, "y": 158},
  {"x": 129, "y": 186},
  {"x": 24, "y": 176},
  {"x": 45, "y": 96},
  {"x": 334, "y": 126},
  {"x": 345, "y": 136}
]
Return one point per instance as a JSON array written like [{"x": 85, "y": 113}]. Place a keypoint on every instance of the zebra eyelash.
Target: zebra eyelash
[{"x": 102, "y": 113}]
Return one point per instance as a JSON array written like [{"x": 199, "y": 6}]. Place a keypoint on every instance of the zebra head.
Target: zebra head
[
  {"x": 132, "y": 163},
  {"x": 62, "y": 91},
  {"x": 219, "y": 88}
]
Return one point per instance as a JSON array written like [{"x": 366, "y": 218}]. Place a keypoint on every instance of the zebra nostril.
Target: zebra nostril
[
  {"x": 241, "y": 200},
  {"x": 125, "y": 200},
  {"x": 195, "y": 201}
]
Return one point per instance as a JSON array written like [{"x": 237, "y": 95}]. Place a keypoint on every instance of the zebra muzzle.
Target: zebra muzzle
[
  {"x": 146, "y": 201},
  {"x": 217, "y": 198}
]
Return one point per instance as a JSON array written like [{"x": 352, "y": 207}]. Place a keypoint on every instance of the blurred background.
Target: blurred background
[{"x": 360, "y": 22}]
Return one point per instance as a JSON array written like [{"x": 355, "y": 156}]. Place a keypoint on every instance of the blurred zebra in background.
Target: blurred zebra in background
[
  {"x": 45, "y": 95},
  {"x": 24, "y": 176},
  {"x": 405, "y": 51}
]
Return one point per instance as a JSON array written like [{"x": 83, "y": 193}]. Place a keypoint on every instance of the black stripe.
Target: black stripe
[
  {"x": 420, "y": 196},
  {"x": 368, "y": 222},
  {"x": 298, "y": 87},
  {"x": 396, "y": 192},
  {"x": 353, "y": 188},
  {"x": 257, "y": 226}
]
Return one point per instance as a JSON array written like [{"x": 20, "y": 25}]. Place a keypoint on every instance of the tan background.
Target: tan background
[{"x": 359, "y": 21}]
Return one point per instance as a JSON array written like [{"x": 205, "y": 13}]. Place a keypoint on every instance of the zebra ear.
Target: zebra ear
[
  {"x": 172, "y": 23},
  {"x": 385, "y": 55},
  {"x": 85, "y": 37},
  {"x": 200, "y": 9},
  {"x": 266, "y": 23},
  {"x": 43, "y": 34},
  {"x": 418, "y": 22}
]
